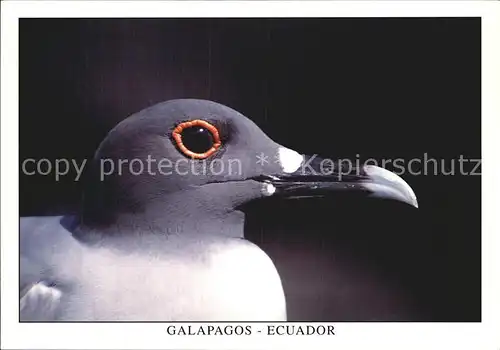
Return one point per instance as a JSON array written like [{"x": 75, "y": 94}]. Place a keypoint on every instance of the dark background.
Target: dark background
[{"x": 381, "y": 88}]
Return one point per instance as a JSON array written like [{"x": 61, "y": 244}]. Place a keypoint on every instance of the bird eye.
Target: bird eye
[{"x": 197, "y": 138}]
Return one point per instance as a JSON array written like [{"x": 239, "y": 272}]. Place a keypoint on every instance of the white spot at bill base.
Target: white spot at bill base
[{"x": 289, "y": 160}]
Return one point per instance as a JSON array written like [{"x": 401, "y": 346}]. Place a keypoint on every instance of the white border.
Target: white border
[{"x": 349, "y": 335}]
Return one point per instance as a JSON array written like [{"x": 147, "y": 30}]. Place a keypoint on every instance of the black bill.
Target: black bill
[{"x": 317, "y": 177}]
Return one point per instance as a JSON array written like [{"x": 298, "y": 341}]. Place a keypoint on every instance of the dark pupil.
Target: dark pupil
[{"x": 197, "y": 139}]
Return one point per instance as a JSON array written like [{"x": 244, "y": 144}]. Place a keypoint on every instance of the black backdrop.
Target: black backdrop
[{"x": 381, "y": 88}]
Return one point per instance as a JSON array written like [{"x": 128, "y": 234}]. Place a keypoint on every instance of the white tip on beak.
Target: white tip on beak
[{"x": 386, "y": 181}]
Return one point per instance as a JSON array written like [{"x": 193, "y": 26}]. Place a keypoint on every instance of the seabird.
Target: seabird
[{"x": 160, "y": 232}]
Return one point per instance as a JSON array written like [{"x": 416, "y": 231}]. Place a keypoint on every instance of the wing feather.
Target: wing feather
[{"x": 40, "y": 303}]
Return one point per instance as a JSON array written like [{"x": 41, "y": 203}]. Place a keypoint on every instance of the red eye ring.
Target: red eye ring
[{"x": 177, "y": 135}]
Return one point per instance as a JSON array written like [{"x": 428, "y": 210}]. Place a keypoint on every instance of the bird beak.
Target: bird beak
[{"x": 317, "y": 177}]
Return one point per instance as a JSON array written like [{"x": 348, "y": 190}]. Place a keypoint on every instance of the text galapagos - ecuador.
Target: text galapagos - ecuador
[{"x": 249, "y": 330}]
